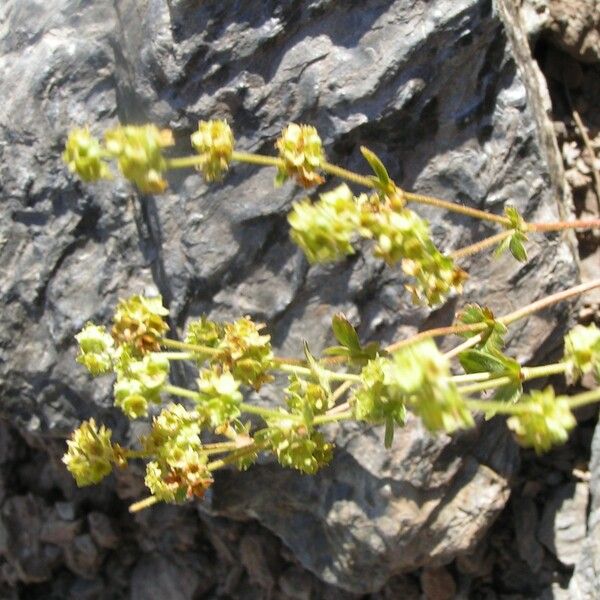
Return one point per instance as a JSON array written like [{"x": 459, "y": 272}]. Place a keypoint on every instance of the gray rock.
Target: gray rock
[
  {"x": 526, "y": 527},
  {"x": 102, "y": 530},
  {"x": 445, "y": 93},
  {"x": 83, "y": 557},
  {"x": 585, "y": 582},
  {"x": 181, "y": 577},
  {"x": 563, "y": 525}
]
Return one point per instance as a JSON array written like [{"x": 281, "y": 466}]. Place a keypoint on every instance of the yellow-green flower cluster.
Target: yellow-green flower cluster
[
  {"x": 90, "y": 453},
  {"x": 301, "y": 151},
  {"x": 220, "y": 397},
  {"x": 582, "y": 351},
  {"x": 544, "y": 422},
  {"x": 96, "y": 349},
  {"x": 139, "y": 154},
  {"x": 139, "y": 324},
  {"x": 380, "y": 398},
  {"x": 242, "y": 348},
  {"x": 294, "y": 446},
  {"x": 85, "y": 156},
  {"x": 400, "y": 234},
  {"x": 303, "y": 396},
  {"x": 416, "y": 377},
  {"x": 179, "y": 470},
  {"x": 324, "y": 230},
  {"x": 214, "y": 143},
  {"x": 140, "y": 382}
]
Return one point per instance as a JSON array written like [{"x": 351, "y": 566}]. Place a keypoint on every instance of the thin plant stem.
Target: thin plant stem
[
  {"x": 453, "y": 207},
  {"x": 183, "y": 392},
  {"x": 257, "y": 159},
  {"x": 330, "y": 375},
  {"x": 142, "y": 504},
  {"x": 184, "y": 162},
  {"x": 235, "y": 455},
  {"x": 333, "y": 417},
  {"x": 482, "y": 245},
  {"x": 549, "y": 301},
  {"x": 437, "y": 332},
  {"x": 527, "y": 373},
  {"x": 560, "y": 225},
  {"x": 500, "y": 408},
  {"x": 582, "y": 399},
  {"x": 196, "y": 348},
  {"x": 348, "y": 175},
  {"x": 339, "y": 392}
]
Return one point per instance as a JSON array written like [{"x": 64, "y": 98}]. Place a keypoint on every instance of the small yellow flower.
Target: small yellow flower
[
  {"x": 301, "y": 149},
  {"x": 90, "y": 453},
  {"x": 138, "y": 150},
  {"x": 214, "y": 143},
  {"x": 84, "y": 155}
]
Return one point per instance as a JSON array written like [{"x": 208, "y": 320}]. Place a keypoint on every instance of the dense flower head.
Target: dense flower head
[
  {"x": 84, "y": 155},
  {"x": 96, "y": 349},
  {"x": 582, "y": 351},
  {"x": 139, "y": 323},
  {"x": 241, "y": 347},
  {"x": 214, "y": 143},
  {"x": 544, "y": 422},
  {"x": 90, "y": 454},
  {"x": 220, "y": 397},
  {"x": 379, "y": 398},
  {"x": 416, "y": 377},
  {"x": 139, "y": 382},
  {"x": 400, "y": 234},
  {"x": 138, "y": 150},
  {"x": 294, "y": 446},
  {"x": 179, "y": 470},
  {"x": 303, "y": 395},
  {"x": 324, "y": 230},
  {"x": 301, "y": 150},
  {"x": 247, "y": 352},
  {"x": 185, "y": 479}
]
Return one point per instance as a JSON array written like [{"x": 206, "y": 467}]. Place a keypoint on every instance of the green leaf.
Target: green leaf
[
  {"x": 344, "y": 333},
  {"x": 502, "y": 247},
  {"x": 509, "y": 393},
  {"x": 482, "y": 361},
  {"x": 517, "y": 249},
  {"x": 377, "y": 166},
  {"x": 492, "y": 339}
]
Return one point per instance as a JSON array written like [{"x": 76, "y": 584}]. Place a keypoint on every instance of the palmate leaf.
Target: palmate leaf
[{"x": 492, "y": 337}]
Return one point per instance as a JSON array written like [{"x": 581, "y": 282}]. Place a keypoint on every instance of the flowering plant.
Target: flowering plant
[{"x": 213, "y": 425}]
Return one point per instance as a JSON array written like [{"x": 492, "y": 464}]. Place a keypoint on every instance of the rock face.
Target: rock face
[{"x": 440, "y": 90}]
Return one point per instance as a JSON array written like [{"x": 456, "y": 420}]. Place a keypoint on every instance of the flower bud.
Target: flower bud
[
  {"x": 301, "y": 150},
  {"x": 90, "y": 453},
  {"x": 220, "y": 397},
  {"x": 138, "y": 150},
  {"x": 324, "y": 230},
  {"x": 130, "y": 398},
  {"x": 214, "y": 143},
  {"x": 96, "y": 349},
  {"x": 582, "y": 351},
  {"x": 138, "y": 323},
  {"x": 84, "y": 155},
  {"x": 544, "y": 422}
]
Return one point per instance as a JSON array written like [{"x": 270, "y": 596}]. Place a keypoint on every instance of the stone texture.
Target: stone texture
[
  {"x": 444, "y": 91},
  {"x": 562, "y": 527},
  {"x": 586, "y": 578}
]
